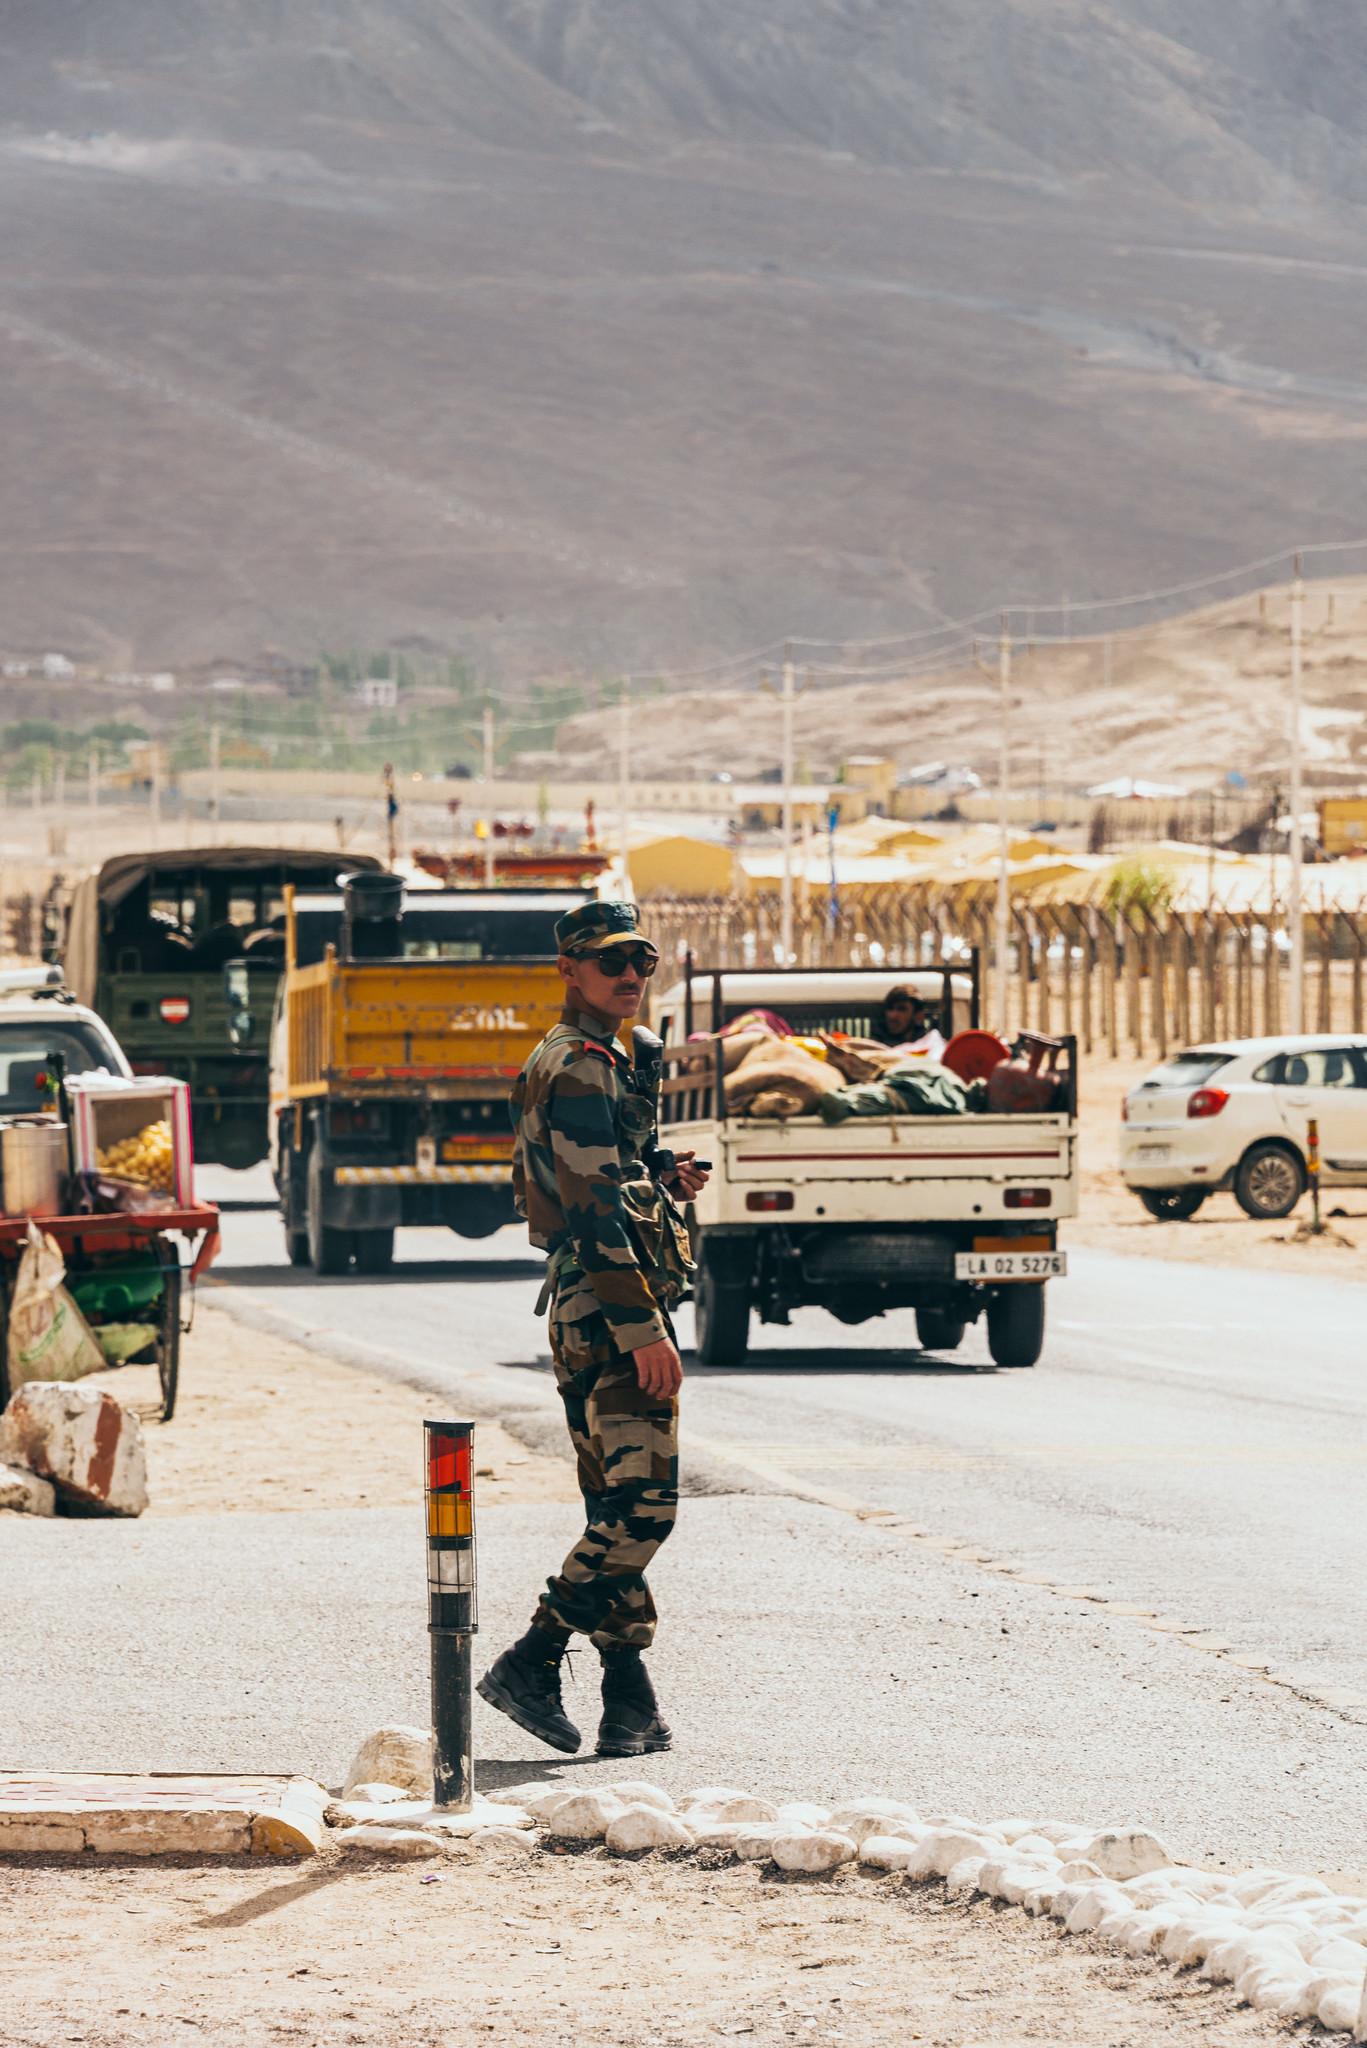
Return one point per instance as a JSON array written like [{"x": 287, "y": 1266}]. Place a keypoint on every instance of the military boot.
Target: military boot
[
  {"x": 524, "y": 1684},
  {"x": 632, "y": 1722}
]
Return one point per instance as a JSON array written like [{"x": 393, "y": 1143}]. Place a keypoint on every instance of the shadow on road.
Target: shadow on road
[
  {"x": 900, "y": 1364},
  {"x": 413, "y": 1271}
]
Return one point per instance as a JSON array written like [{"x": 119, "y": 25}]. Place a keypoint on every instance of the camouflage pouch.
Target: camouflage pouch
[{"x": 661, "y": 1235}]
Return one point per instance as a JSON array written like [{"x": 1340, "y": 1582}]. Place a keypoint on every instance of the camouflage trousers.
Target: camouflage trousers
[{"x": 627, "y": 1446}]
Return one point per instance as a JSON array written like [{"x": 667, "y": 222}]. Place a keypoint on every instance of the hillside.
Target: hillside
[
  {"x": 571, "y": 335},
  {"x": 1192, "y": 699}
]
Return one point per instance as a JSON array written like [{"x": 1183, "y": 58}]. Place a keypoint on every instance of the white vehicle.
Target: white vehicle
[
  {"x": 954, "y": 1216},
  {"x": 1236, "y": 1115},
  {"x": 39, "y": 1017}
]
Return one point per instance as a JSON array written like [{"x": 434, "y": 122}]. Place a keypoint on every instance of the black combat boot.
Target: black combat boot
[
  {"x": 632, "y": 1722},
  {"x": 524, "y": 1684}
]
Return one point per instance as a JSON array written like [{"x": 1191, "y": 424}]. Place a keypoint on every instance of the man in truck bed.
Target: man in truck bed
[{"x": 618, "y": 1261}]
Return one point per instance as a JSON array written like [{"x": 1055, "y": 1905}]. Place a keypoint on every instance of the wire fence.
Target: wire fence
[{"x": 1128, "y": 982}]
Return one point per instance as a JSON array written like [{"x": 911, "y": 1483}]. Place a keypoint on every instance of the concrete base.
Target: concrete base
[{"x": 61, "y": 1812}]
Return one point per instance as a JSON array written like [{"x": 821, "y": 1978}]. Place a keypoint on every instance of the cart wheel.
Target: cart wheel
[{"x": 168, "y": 1347}]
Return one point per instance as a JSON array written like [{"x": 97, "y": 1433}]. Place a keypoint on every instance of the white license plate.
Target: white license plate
[
  {"x": 1155, "y": 1152},
  {"x": 1010, "y": 1265}
]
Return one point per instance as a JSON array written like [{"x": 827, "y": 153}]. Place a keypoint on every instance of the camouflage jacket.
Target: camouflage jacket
[{"x": 578, "y": 1176}]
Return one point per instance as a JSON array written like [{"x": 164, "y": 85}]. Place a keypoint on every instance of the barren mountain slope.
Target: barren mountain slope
[
  {"x": 574, "y": 334},
  {"x": 1193, "y": 698}
]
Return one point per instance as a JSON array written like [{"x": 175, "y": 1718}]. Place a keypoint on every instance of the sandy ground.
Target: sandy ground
[
  {"x": 1111, "y": 1219},
  {"x": 262, "y": 1423},
  {"x": 564, "y": 1949}
]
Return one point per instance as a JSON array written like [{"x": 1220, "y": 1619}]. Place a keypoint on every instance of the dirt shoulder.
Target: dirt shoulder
[
  {"x": 262, "y": 1423},
  {"x": 1111, "y": 1219},
  {"x": 557, "y": 1949}
]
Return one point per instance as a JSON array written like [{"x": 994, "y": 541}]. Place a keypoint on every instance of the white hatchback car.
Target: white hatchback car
[{"x": 1236, "y": 1115}]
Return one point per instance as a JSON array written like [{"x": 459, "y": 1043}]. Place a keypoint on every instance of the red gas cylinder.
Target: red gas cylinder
[
  {"x": 973, "y": 1054},
  {"x": 1030, "y": 1081}
]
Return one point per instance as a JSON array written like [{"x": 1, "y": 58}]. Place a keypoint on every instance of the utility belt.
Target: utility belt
[{"x": 659, "y": 1237}]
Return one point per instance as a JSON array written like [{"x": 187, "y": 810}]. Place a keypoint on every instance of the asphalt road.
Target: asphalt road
[
  {"x": 1193, "y": 1440},
  {"x": 877, "y": 1583}
]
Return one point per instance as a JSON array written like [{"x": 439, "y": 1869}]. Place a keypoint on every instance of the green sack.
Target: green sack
[{"x": 921, "y": 1090}]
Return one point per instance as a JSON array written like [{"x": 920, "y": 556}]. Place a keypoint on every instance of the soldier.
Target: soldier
[{"x": 599, "y": 1202}]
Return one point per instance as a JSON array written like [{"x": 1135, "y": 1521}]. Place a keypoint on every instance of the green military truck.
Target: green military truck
[{"x": 149, "y": 941}]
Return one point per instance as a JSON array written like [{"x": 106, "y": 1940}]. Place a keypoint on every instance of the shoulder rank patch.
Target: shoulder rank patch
[{"x": 599, "y": 1051}]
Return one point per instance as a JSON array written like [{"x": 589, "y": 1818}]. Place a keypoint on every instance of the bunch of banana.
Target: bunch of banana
[{"x": 148, "y": 1158}]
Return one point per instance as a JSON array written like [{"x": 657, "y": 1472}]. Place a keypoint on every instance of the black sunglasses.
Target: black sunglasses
[{"x": 614, "y": 961}]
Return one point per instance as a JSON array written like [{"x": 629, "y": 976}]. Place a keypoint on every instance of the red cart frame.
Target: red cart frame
[{"x": 95, "y": 1239}]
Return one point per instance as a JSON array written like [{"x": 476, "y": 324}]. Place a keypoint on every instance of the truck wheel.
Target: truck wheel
[
  {"x": 374, "y": 1251},
  {"x": 1172, "y": 1205},
  {"x": 1015, "y": 1325},
  {"x": 329, "y": 1248},
  {"x": 938, "y": 1330},
  {"x": 721, "y": 1307},
  {"x": 1269, "y": 1182}
]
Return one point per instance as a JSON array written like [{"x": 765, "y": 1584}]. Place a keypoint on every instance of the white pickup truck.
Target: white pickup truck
[{"x": 954, "y": 1216}]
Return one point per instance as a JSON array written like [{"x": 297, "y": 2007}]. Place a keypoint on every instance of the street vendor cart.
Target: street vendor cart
[{"x": 129, "y": 1266}]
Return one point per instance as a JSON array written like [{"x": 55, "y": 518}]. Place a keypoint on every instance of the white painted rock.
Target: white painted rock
[
  {"x": 85, "y": 1443},
  {"x": 1126, "y": 1852},
  {"x": 645, "y": 1827},
  {"x": 523, "y": 1795},
  {"x": 738, "y": 1806},
  {"x": 585, "y": 1816},
  {"x": 814, "y": 1852},
  {"x": 873, "y": 1809},
  {"x": 713, "y": 1795},
  {"x": 397, "y": 1756},
  {"x": 798, "y": 1814},
  {"x": 963, "y": 1877},
  {"x": 636, "y": 1792},
  {"x": 847, "y": 1821},
  {"x": 753, "y": 1841},
  {"x": 373, "y": 1839},
  {"x": 1091, "y": 1909},
  {"x": 942, "y": 1848},
  {"x": 722, "y": 1834},
  {"x": 543, "y": 1806},
  {"x": 1079, "y": 1871},
  {"x": 1037, "y": 1847},
  {"x": 886, "y": 1852},
  {"x": 23, "y": 1493},
  {"x": 372, "y": 1794}
]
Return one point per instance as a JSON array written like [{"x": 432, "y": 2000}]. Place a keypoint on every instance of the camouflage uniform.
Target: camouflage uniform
[{"x": 591, "y": 1203}]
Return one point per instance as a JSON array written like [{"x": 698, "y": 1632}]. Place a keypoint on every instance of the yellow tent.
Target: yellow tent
[{"x": 675, "y": 865}]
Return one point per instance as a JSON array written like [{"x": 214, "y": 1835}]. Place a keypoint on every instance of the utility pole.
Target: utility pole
[
  {"x": 59, "y": 783},
  {"x": 391, "y": 817},
  {"x": 215, "y": 783},
  {"x": 624, "y": 782},
  {"x": 156, "y": 794},
  {"x": 1003, "y": 978},
  {"x": 786, "y": 913},
  {"x": 488, "y": 727},
  {"x": 93, "y": 778},
  {"x": 1295, "y": 913}
]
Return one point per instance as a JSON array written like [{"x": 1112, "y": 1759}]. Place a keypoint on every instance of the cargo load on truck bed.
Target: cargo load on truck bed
[{"x": 943, "y": 1196}]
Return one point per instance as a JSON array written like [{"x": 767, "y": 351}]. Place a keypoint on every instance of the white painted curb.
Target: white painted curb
[{"x": 1288, "y": 1945}]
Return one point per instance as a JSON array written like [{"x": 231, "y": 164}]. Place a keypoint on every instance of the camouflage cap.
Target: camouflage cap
[{"x": 595, "y": 925}]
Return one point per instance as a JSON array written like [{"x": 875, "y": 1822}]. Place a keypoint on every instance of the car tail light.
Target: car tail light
[
  {"x": 1028, "y": 1198},
  {"x": 1207, "y": 1101},
  {"x": 769, "y": 1198},
  {"x": 174, "y": 1009}
]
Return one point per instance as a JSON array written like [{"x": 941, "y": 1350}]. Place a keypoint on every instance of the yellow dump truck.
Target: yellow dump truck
[{"x": 400, "y": 1026}]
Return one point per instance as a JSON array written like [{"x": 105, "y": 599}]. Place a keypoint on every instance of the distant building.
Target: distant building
[
  {"x": 57, "y": 668},
  {"x": 378, "y": 693}
]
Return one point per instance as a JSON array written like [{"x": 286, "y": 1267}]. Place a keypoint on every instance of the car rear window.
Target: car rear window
[
  {"x": 25, "y": 1054},
  {"x": 1188, "y": 1070}
]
